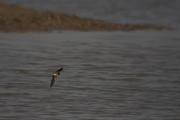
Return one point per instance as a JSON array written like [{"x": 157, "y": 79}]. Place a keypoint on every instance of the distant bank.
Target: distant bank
[{"x": 15, "y": 18}]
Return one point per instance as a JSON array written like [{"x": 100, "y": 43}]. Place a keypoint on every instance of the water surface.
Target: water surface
[{"x": 107, "y": 76}]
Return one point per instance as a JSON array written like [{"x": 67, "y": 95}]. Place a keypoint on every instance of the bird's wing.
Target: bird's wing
[
  {"x": 52, "y": 81},
  {"x": 59, "y": 70}
]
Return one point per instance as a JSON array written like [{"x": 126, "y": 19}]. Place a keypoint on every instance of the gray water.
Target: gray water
[{"x": 107, "y": 76}]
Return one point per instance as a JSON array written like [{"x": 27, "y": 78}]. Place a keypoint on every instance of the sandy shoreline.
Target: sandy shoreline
[{"x": 15, "y": 18}]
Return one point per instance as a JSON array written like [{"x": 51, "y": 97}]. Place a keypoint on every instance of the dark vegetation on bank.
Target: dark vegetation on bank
[{"x": 16, "y": 18}]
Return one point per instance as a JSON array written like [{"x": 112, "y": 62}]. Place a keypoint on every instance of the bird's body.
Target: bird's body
[{"x": 55, "y": 76}]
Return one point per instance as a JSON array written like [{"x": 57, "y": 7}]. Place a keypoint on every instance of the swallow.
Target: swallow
[{"x": 55, "y": 76}]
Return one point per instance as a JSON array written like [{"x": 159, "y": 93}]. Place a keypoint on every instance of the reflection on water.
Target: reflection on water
[{"x": 107, "y": 76}]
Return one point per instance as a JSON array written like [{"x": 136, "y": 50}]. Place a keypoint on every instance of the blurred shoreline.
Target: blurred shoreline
[{"x": 16, "y": 18}]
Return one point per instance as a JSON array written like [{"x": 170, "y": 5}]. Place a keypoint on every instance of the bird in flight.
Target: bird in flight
[{"x": 55, "y": 76}]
